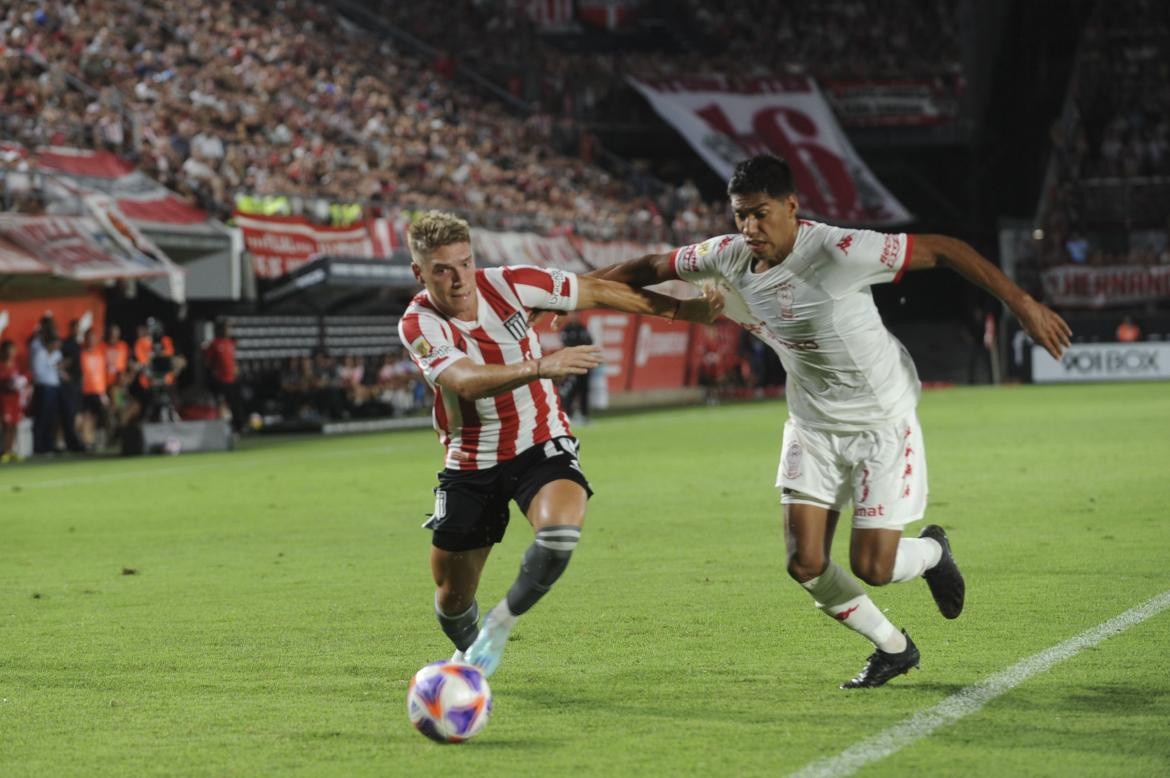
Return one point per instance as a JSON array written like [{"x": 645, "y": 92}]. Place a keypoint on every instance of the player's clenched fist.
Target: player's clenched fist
[{"x": 575, "y": 360}]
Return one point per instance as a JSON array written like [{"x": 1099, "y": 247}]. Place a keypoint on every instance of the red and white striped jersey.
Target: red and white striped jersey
[{"x": 480, "y": 434}]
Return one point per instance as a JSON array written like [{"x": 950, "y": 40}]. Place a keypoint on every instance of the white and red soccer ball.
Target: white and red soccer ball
[{"x": 449, "y": 702}]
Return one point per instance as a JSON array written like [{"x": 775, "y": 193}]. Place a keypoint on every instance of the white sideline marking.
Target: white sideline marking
[
  {"x": 971, "y": 699},
  {"x": 148, "y": 472}
]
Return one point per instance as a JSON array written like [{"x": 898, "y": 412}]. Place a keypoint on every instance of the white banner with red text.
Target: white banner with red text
[
  {"x": 1142, "y": 361},
  {"x": 727, "y": 122},
  {"x": 279, "y": 245},
  {"x": 1103, "y": 287},
  {"x": 893, "y": 102}
]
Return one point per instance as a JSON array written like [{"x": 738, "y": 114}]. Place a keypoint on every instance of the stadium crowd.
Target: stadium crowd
[
  {"x": 832, "y": 39},
  {"x": 223, "y": 98},
  {"x": 1107, "y": 203}
]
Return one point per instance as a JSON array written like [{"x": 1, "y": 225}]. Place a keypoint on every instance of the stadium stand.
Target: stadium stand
[{"x": 295, "y": 102}]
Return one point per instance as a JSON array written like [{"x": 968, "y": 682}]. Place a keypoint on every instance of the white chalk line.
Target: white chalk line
[{"x": 971, "y": 699}]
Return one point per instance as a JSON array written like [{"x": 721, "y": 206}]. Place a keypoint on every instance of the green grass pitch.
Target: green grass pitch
[{"x": 260, "y": 612}]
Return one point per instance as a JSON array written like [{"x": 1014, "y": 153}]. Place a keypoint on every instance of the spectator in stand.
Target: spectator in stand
[
  {"x": 12, "y": 384},
  {"x": 328, "y": 394},
  {"x": 220, "y": 358},
  {"x": 350, "y": 375},
  {"x": 1128, "y": 331},
  {"x": 94, "y": 400}
]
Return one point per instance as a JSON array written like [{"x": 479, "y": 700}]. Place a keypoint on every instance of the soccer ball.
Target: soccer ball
[{"x": 449, "y": 702}]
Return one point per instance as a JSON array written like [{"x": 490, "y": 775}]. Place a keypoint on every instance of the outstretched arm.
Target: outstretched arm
[
  {"x": 646, "y": 270},
  {"x": 597, "y": 292},
  {"x": 472, "y": 381},
  {"x": 1038, "y": 320}
]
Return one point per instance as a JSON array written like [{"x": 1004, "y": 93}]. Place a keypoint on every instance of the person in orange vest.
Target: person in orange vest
[
  {"x": 1127, "y": 331},
  {"x": 94, "y": 380},
  {"x": 153, "y": 343},
  {"x": 117, "y": 353},
  {"x": 157, "y": 368}
]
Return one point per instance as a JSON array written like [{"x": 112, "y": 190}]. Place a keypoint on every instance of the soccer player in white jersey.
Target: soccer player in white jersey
[
  {"x": 852, "y": 436},
  {"x": 499, "y": 417}
]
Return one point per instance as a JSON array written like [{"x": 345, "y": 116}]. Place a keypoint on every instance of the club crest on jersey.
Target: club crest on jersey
[
  {"x": 422, "y": 348},
  {"x": 517, "y": 325},
  {"x": 786, "y": 297}
]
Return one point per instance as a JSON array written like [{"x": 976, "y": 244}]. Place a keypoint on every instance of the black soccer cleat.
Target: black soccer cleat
[
  {"x": 944, "y": 579},
  {"x": 881, "y": 667}
]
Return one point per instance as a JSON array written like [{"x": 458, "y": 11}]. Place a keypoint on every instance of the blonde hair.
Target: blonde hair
[{"x": 435, "y": 229}]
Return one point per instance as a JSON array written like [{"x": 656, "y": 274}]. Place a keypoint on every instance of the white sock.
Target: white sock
[
  {"x": 915, "y": 557},
  {"x": 502, "y": 616},
  {"x": 840, "y": 596}
]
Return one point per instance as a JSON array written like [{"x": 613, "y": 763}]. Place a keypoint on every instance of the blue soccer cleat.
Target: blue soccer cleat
[{"x": 488, "y": 648}]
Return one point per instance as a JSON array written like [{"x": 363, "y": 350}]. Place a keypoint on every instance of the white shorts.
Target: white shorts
[{"x": 881, "y": 472}]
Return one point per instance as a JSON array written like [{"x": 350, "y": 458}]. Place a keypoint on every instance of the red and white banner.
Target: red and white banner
[
  {"x": 140, "y": 197},
  {"x": 1103, "y": 287},
  {"x": 892, "y": 102},
  {"x": 77, "y": 248},
  {"x": 280, "y": 244},
  {"x": 525, "y": 248},
  {"x": 726, "y": 123}
]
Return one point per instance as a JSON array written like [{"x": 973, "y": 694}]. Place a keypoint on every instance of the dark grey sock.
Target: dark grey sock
[
  {"x": 544, "y": 561},
  {"x": 463, "y": 628}
]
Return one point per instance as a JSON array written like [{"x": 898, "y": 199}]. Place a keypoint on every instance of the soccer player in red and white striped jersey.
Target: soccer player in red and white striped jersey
[{"x": 498, "y": 415}]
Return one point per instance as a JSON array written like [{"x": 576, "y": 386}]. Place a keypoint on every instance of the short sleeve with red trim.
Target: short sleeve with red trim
[
  {"x": 862, "y": 258},
  {"x": 706, "y": 259},
  {"x": 429, "y": 341},
  {"x": 545, "y": 289}
]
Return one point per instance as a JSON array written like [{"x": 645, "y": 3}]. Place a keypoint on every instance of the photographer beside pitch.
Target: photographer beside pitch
[
  {"x": 498, "y": 416},
  {"x": 852, "y": 435}
]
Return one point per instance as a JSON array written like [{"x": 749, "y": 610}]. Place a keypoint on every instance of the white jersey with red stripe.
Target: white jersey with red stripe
[
  {"x": 483, "y": 433},
  {"x": 846, "y": 371}
]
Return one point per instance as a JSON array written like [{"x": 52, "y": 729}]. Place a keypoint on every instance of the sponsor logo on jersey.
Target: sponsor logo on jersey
[
  {"x": 517, "y": 325},
  {"x": 725, "y": 242},
  {"x": 845, "y": 243},
  {"x": 687, "y": 261},
  {"x": 769, "y": 337},
  {"x": 870, "y": 513},
  {"x": 891, "y": 248},
  {"x": 560, "y": 285}
]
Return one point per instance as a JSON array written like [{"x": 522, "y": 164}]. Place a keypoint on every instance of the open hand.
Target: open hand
[
  {"x": 575, "y": 360},
  {"x": 1045, "y": 326}
]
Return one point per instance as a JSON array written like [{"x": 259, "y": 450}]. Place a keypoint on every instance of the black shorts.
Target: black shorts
[
  {"x": 92, "y": 403},
  {"x": 471, "y": 506}
]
